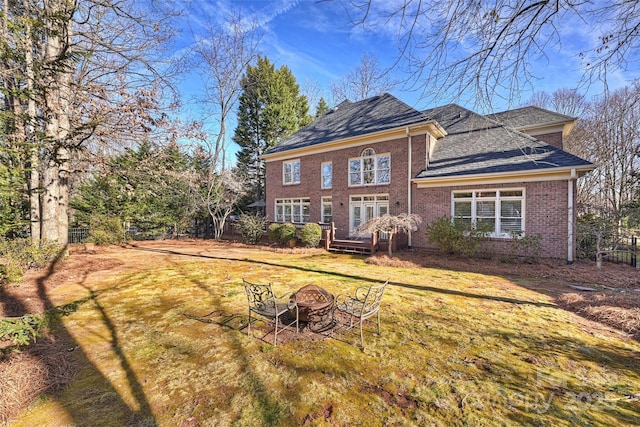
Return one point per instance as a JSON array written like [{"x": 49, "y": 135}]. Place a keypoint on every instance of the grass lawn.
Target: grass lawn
[{"x": 161, "y": 340}]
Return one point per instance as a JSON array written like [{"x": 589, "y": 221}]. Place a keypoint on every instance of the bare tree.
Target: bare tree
[
  {"x": 222, "y": 54},
  {"x": 610, "y": 138},
  {"x": 487, "y": 47},
  {"x": 367, "y": 80},
  {"x": 564, "y": 101},
  {"x": 390, "y": 224},
  {"x": 91, "y": 76}
]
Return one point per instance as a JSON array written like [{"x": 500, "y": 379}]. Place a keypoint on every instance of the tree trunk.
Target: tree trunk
[
  {"x": 34, "y": 159},
  {"x": 55, "y": 190}
]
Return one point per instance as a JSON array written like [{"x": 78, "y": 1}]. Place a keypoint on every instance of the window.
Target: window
[
  {"x": 500, "y": 212},
  {"x": 292, "y": 210},
  {"x": 291, "y": 172},
  {"x": 327, "y": 174},
  {"x": 370, "y": 168},
  {"x": 327, "y": 207}
]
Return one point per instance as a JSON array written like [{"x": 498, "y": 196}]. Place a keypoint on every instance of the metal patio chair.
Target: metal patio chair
[
  {"x": 365, "y": 304},
  {"x": 263, "y": 302}
]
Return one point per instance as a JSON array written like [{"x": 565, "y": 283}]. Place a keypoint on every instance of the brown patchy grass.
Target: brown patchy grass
[{"x": 162, "y": 341}]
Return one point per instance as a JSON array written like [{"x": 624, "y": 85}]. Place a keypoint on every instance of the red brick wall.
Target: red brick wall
[
  {"x": 554, "y": 139},
  {"x": 545, "y": 202},
  {"x": 545, "y": 214},
  {"x": 310, "y": 182}
]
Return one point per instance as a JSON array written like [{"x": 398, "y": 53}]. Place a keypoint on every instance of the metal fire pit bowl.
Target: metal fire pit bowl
[{"x": 315, "y": 306}]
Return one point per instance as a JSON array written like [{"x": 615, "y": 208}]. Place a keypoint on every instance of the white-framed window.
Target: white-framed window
[
  {"x": 363, "y": 208},
  {"x": 370, "y": 168},
  {"x": 327, "y": 209},
  {"x": 292, "y": 210},
  {"x": 499, "y": 212},
  {"x": 327, "y": 174},
  {"x": 291, "y": 172}
]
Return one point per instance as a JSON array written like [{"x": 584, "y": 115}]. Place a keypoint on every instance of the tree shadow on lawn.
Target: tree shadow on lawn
[
  {"x": 353, "y": 277},
  {"x": 565, "y": 396},
  {"x": 556, "y": 397},
  {"x": 104, "y": 401}
]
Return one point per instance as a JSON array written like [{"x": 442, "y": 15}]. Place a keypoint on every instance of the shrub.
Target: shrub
[
  {"x": 22, "y": 331},
  {"x": 526, "y": 247},
  {"x": 22, "y": 254},
  {"x": 252, "y": 227},
  {"x": 274, "y": 232},
  {"x": 104, "y": 230},
  {"x": 286, "y": 233},
  {"x": 311, "y": 234},
  {"x": 454, "y": 237}
]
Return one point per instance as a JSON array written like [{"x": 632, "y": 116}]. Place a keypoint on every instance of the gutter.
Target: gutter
[
  {"x": 409, "y": 201},
  {"x": 570, "y": 216}
]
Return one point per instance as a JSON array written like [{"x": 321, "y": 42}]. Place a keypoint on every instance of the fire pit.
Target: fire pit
[{"x": 315, "y": 306}]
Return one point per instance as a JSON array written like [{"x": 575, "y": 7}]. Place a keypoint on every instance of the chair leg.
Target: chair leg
[
  {"x": 275, "y": 333},
  {"x": 361, "y": 335},
  {"x": 249, "y": 325}
]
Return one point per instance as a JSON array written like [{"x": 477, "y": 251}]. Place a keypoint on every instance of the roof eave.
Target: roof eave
[
  {"x": 551, "y": 174},
  {"x": 430, "y": 126}
]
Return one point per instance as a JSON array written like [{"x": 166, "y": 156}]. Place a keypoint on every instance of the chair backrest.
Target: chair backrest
[
  {"x": 259, "y": 296},
  {"x": 373, "y": 298}
]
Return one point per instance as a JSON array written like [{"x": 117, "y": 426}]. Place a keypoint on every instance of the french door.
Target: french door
[{"x": 363, "y": 208}]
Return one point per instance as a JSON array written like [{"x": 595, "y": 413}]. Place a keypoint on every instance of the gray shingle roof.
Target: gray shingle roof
[
  {"x": 529, "y": 116},
  {"x": 352, "y": 119},
  {"x": 476, "y": 144}
]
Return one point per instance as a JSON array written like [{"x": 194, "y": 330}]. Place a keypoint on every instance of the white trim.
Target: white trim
[
  {"x": 497, "y": 199},
  {"x": 292, "y": 162},
  {"x": 355, "y": 141},
  {"x": 555, "y": 174},
  {"x": 375, "y": 158},
  {"x": 384, "y": 201},
  {"x": 329, "y": 162},
  {"x": 570, "y": 219}
]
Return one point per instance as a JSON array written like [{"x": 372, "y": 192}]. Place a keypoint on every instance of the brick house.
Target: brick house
[{"x": 507, "y": 171}]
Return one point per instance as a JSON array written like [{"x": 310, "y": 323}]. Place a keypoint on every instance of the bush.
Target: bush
[
  {"x": 526, "y": 247},
  {"x": 252, "y": 227},
  {"x": 454, "y": 237},
  {"x": 311, "y": 234},
  {"x": 22, "y": 254},
  {"x": 22, "y": 331},
  {"x": 104, "y": 230},
  {"x": 274, "y": 232},
  {"x": 286, "y": 233}
]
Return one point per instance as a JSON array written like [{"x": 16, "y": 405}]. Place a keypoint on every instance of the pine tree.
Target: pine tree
[
  {"x": 322, "y": 107},
  {"x": 271, "y": 109}
]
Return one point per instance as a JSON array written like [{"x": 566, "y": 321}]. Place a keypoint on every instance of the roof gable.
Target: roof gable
[
  {"x": 531, "y": 116},
  {"x": 350, "y": 119}
]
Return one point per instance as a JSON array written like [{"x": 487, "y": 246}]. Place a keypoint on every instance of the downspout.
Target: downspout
[
  {"x": 570, "y": 218},
  {"x": 409, "y": 203}
]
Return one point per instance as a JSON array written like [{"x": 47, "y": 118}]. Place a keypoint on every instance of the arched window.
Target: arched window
[{"x": 370, "y": 168}]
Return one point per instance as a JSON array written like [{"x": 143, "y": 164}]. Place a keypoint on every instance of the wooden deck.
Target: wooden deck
[{"x": 361, "y": 247}]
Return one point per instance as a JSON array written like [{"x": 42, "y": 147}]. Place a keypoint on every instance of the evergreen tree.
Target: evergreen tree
[
  {"x": 271, "y": 109},
  {"x": 147, "y": 187},
  {"x": 322, "y": 107}
]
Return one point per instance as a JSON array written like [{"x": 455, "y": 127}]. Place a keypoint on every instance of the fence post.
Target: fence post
[{"x": 634, "y": 244}]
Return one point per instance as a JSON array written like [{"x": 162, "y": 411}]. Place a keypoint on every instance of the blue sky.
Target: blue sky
[{"x": 320, "y": 44}]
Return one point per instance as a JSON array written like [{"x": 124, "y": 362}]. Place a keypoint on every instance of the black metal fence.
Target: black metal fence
[
  {"x": 78, "y": 235},
  {"x": 624, "y": 252}
]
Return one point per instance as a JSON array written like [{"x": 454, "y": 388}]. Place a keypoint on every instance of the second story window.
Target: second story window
[
  {"x": 291, "y": 172},
  {"x": 370, "y": 168},
  {"x": 327, "y": 174}
]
